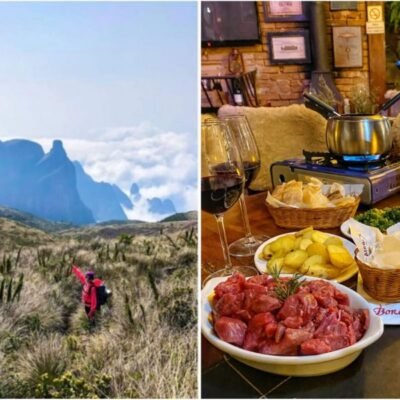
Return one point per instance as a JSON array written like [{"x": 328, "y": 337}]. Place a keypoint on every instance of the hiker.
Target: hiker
[{"x": 89, "y": 295}]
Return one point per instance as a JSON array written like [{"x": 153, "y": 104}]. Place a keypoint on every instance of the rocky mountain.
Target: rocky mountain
[
  {"x": 160, "y": 206},
  {"x": 50, "y": 186},
  {"x": 106, "y": 201},
  {"x": 41, "y": 184},
  {"x": 135, "y": 190},
  {"x": 155, "y": 204}
]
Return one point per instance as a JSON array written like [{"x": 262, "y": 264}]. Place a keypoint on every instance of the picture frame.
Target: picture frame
[
  {"x": 289, "y": 47},
  {"x": 285, "y": 11},
  {"x": 343, "y": 5},
  {"x": 347, "y": 46},
  {"x": 220, "y": 21}
]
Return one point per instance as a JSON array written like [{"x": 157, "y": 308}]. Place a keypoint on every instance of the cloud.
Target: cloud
[
  {"x": 162, "y": 163},
  {"x": 191, "y": 197},
  {"x": 141, "y": 212}
]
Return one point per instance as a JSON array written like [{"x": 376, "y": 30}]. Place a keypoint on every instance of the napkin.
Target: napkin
[
  {"x": 354, "y": 190},
  {"x": 374, "y": 248}
]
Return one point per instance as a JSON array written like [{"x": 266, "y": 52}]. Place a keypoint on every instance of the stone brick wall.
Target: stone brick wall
[
  {"x": 279, "y": 85},
  {"x": 345, "y": 79}
]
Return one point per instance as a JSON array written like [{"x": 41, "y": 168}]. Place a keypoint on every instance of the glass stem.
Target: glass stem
[
  {"x": 246, "y": 223},
  {"x": 224, "y": 241}
]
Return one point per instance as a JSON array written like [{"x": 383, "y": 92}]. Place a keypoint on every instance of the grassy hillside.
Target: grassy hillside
[
  {"x": 31, "y": 220},
  {"x": 51, "y": 226},
  {"x": 16, "y": 234},
  {"x": 144, "y": 342},
  {"x": 114, "y": 230},
  {"x": 187, "y": 216}
]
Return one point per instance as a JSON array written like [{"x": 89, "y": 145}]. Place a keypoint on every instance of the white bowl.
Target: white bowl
[
  {"x": 314, "y": 365},
  {"x": 261, "y": 265}
]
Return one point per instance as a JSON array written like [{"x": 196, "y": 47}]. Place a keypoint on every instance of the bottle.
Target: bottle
[
  {"x": 346, "y": 106},
  {"x": 237, "y": 93}
]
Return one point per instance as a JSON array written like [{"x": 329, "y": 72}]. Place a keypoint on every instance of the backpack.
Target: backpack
[{"x": 102, "y": 295}]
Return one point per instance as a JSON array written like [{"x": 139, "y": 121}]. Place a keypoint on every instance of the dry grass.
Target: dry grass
[
  {"x": 144, "y": 344},
  {"x": 42, "y": 355}
]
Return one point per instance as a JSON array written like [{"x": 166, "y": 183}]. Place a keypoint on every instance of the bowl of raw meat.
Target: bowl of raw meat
[{"x": 287, "y": 324}]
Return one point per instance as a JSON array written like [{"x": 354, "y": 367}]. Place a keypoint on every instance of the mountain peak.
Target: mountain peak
[
  {"x": 56, "y": 157},
  {"x": 58, "y": 148},
  {"x": 135, "y": 190},
  {"x": 45, "y": 187},
  {"x": 160, "y": 206}
]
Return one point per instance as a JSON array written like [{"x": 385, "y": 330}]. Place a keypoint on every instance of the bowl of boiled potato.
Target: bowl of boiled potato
[{"x": 308, "y": 252}]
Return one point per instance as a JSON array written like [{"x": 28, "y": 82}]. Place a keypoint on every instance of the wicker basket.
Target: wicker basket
[
  {"x": 381, "y": 284},
  {"x": 319, "y": 218}
]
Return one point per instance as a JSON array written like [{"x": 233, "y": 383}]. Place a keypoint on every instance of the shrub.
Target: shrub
[
  {"x": 10, "y": 290},
  {"x": 125, "y": 239},
  {"x": 36, "y": 310},
  {"x": 45, "y": 355},
  {"x": 178, "y": 309},
  {"x": 10, "y": 341},
  {"x": 32, "y": 322},
  {"x": 69, "y": 385},
  {"x": 72, "y": 342},
  {"x": 79, "y": 323},
  {"x": 187, "y": 258}
]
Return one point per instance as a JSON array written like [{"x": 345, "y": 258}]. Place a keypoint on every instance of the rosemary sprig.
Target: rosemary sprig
[{"x": 286, "y": 288}]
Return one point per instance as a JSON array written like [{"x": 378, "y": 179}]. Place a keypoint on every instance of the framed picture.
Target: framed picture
[
  {"x": 343, "y": 5},
  {"x": 286, "y": 11},
  {"x": 289, "y": 47},
  {"x": 347, "y": 46}
]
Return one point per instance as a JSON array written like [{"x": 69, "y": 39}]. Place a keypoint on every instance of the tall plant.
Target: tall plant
[{"x": 394, "y": 16}]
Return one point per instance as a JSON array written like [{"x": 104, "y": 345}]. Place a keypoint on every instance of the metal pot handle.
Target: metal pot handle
[
  {"x": 319, "y": 104},
  {"x": 389, "y": 103}
]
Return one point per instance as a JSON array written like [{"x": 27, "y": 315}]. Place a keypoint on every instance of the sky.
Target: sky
[{"x": 115, "y": 81}]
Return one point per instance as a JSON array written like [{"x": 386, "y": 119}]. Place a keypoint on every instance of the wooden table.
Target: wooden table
[{"x": 373, "y": 374}]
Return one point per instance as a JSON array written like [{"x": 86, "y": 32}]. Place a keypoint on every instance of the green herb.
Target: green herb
[
  {"x": 285, "y": 288},
  {"x": 381, "y": 219}
]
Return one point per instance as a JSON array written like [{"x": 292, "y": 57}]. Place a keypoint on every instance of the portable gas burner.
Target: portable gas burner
[{"x": 381, "y": 179}]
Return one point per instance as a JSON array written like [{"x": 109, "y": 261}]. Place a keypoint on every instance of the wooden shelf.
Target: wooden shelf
[{"x": 219, "y": 90}]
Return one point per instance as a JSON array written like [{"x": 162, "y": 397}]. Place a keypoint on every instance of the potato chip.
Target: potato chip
[{"x": 310, "y": 194}]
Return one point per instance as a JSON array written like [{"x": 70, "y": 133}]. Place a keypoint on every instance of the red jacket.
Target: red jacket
[{"x": 89, "y": 298}]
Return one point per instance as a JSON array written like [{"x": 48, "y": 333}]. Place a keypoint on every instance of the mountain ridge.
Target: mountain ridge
[
  {"x": 39, "y": 183},
  {"x": 47, "y": 226},
  {"x": 182, "y": 216},
  {"x": 105, "y": 200},
  {"x": 52, "y": 187}
]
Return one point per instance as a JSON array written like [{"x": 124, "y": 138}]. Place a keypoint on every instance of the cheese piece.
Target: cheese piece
[{"x": 388, "y": 253}]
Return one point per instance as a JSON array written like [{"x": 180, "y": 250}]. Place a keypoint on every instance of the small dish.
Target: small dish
[{"x": 314, "y": 365}]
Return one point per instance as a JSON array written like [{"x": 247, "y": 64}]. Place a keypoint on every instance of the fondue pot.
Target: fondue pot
[{"x": 356, "y": 137}]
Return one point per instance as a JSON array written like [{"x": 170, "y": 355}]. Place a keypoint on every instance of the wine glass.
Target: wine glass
[
  {"x": 222, "y": 182},
  {"x": 239, "y": 126}
]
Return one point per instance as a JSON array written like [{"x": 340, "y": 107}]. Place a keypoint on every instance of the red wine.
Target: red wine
[
  {"x": 251, "y": 169},
  {"x": 225, "y": 168},
  {"x": 219, "y": 193}
]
